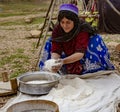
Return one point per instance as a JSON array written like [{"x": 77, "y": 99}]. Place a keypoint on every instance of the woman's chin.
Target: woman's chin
[{"x": 66, "y": 31}]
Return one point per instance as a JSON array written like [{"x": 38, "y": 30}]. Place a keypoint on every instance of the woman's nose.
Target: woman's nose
[{"x": 64, "y": 25}]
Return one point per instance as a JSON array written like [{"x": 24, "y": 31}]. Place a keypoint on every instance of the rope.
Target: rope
[{"x": 85, "y": 6}]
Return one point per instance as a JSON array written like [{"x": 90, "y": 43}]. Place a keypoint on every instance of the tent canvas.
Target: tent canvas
[{"x": 109, "y": 20}]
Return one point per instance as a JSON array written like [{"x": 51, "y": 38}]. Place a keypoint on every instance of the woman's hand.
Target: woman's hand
[
  {"x": 53, "y": 65},
  {"x": 57, "y": 66}
]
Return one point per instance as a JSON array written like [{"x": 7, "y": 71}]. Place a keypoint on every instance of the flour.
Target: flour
[
  {"x": 49, "y": 64},
  {"x": 74, "y": 89},
  {"x": 37, "y": 82}
]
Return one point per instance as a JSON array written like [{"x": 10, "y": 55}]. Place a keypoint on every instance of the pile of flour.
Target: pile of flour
[{"x": 73, "y": 89}]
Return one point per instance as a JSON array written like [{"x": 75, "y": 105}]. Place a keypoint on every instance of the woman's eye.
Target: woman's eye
[
  {"x": 68, "y": 22},
  {"x": 65, "y": 22},
  {"x": 62, "y": 22}
]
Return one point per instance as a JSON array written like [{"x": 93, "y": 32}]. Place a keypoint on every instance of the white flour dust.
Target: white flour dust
[
  {"x": 37, "y": 82},
  {"x": 74, "y": 89},
  {"x": 49, "y": 64}
]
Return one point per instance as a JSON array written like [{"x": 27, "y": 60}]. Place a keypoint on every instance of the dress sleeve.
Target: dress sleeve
[
  {"x": 56, "y": 48},
  {"x": 82, "y": 41}
]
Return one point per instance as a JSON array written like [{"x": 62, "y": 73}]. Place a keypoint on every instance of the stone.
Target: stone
[{"x": 35, "y": 33}]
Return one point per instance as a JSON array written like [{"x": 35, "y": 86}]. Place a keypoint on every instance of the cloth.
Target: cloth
[
  {"x": 46, "y": 53},
  {"x": 96, "y": 57},
  {"x": 101, "y": 94},
  {"x": 109, "y": 19},
  {"x": 77, "y": 44},
  {"x": 59, "y": 35},
  {"x": 69, "y": 7}
]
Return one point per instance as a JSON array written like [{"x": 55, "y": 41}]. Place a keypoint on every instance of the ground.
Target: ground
[
  {"x": 18, "y": 52},
  {"x": 15, "y": 40}
]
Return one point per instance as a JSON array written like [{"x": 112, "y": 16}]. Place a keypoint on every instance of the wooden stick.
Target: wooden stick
[
  {"x": 44, "y": 23},
  {"x": 44, "y": 38},
  {"x": 5, "y": 77}
]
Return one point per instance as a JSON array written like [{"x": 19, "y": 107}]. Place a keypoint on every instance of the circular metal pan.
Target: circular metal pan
[
  {"x": 34, "y": 106},
  {"x": 49, "y": 80}
]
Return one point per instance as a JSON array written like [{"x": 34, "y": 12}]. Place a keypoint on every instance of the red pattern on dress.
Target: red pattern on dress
[{"x": 77, "y": 44}]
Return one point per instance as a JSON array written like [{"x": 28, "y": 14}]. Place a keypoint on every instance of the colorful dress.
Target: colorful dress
[
  {"x": 96, "y": 57},
  {"x": 78, "y": 44}
]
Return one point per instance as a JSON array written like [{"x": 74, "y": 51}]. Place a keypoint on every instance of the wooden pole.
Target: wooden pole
[
  {"x": 5, "y": 77},
  {"x": 51, "y": 8},
  {"x": 46, "y": 18},
  {"x": 14, "y": 85}
]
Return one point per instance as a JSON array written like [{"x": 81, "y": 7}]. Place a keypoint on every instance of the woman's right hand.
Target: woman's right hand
[
  {"x": 57, "y": 66},
  {"x": 53, "y": 65}
]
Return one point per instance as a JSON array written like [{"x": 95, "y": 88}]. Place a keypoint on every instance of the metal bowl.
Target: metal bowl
[
  {"x": 34, "y": 106},
  {"x": 45, "y": 82}
]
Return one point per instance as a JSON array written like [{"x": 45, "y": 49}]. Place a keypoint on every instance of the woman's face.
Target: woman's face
[{"x": 67, "y": 24}]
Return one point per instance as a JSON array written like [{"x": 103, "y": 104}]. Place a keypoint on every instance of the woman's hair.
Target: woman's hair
[{"x": 69, "y": 15}]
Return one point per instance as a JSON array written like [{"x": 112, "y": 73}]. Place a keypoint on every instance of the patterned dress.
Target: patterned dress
[{"x": 96, "y": 57}]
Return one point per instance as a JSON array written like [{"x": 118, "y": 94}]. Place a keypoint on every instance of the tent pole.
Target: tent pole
[
  {"x": 46, "y": 18},
  {"x": 44, "y": 38}
]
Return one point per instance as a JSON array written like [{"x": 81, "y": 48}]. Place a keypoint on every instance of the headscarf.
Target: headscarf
[{"x": 79, "y": 25}]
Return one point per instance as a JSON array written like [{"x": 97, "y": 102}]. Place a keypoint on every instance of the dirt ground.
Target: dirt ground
[
  {"x": 17, "y": 37},
  {"x": 12, "y": 39}
]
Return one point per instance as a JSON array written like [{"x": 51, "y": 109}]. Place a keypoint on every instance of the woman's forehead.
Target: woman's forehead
[{"x": 65, "y": 19}]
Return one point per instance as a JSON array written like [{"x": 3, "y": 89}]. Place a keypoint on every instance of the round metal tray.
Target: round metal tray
[
  {"x": 34, "y": 106},
  {"x": 50, "y": 80}
]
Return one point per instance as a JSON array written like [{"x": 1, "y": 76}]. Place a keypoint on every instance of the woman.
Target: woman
[{"x": 72, "y": 37}]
